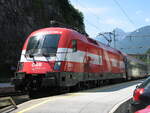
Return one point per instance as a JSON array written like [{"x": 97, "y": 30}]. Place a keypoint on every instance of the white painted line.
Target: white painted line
[{"x": 118, "y": 105}]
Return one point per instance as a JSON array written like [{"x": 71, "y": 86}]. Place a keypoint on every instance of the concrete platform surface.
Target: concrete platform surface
[{"x": 98, "y": 100}]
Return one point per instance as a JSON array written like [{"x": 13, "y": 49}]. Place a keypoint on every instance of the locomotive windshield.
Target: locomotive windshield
[
  {"x": 43, "y": 44},
  {"x": 34, "y": 43},
  {"x": 50, "y": 43}
]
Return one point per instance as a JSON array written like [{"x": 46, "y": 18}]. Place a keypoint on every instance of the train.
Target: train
[{"x": 57, "y": 57}]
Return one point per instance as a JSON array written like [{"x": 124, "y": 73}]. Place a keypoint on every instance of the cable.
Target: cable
[
  {"x": 129, "y": 19},
  {"x": 140, "y": 47},
  {"x": 90, "y": 11},
  {"x": 148, "y": 36},
  {"x": 93, "y": 25},
  {"x": 77, "y": 3}
]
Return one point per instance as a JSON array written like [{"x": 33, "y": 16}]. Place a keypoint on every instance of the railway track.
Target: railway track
[
  {"x": 51, "y": 92},
  {"x": 17, "y": 97},
  {"x": 10, "y": 100},
  {"x": 11, "y": 94},
  {"x": 20, "y": 97}
]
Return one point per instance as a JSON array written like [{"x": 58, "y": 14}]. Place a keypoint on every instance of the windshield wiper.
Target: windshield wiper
[{"x": 30, "y": 53}]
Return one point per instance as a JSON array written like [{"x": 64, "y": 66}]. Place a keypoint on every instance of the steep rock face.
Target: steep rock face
[{"x": 18, "y": 18}]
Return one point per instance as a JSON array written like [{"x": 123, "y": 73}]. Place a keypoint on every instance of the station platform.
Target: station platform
[
  {"x": 6, "y": 88},
  {"x": 3, "y": 85}
]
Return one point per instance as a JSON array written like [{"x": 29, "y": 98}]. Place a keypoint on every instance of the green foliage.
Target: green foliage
[
  {"x": 148, "y": 51},
  {"x": 58, "y": 10},
  {"x": 148, "y": 56},
  {"x": 68, "y": 15},
  {"x": 37, "y": 4},
  {"x": 145, "y": 58}
]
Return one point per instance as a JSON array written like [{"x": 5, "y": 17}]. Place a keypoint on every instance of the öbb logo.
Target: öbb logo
[{"x": 36, "y": 64}]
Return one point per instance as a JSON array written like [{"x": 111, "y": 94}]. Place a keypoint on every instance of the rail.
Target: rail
[{"x": 7, "y": 103}]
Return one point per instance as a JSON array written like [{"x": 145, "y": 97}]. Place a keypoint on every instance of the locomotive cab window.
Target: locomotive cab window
[
  {"x": 50, "y": 43},
  {"x": 74, "y": 45},
  {"x": 34, "y": 44},
  {"x": 46, "y": 44}
]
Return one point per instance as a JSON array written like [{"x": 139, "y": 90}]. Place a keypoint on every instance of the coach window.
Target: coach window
[{"x": 74, "y": 45}]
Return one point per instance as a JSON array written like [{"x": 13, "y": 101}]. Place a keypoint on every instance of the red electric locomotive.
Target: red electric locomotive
[{"x": 60, "y": 57}]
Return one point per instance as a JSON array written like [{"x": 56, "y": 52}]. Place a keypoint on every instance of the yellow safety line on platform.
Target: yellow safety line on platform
[
  {"x": 64, "y": 96},
  {"x": 34, "y": 106},
  {"x": 51, "y": 99}
]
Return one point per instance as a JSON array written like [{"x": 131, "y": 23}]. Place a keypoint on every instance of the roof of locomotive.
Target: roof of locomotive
[
  {"x": 108, "y": 48},
  {"x": 58, "y": 30},
  {"x": 51, "y": 30}
]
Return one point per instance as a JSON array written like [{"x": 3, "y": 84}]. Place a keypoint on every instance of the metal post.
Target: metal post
[
  {"x": 114, "y": 36},
  {"x": 148, "y": 63}
]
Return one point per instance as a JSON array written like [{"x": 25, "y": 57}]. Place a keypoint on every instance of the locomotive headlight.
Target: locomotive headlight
[
  {"x": 20, "y": 66},
  {"x": 57, "y": 65},
  {"x": 20, "y": 75}
]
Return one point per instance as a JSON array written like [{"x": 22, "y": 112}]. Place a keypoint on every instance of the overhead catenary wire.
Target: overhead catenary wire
[
  {"x": 93, "y": 25},
  {"x": 124, "y": 12},
  {"x": 147, "y": 36},
  {"x": 90, "y": 23},
  {"x": 133, "y": 36},
  {"x": 81, "y": 4},
  {"x": 78, "y": 3},
  {"x": 140, "y": 47}
]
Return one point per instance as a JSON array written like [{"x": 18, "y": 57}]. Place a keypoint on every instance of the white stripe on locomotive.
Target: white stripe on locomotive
[{"x": 64, "y": 54}]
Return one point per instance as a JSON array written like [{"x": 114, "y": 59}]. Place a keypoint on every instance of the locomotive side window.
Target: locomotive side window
[{"x": 74, "y": 45}]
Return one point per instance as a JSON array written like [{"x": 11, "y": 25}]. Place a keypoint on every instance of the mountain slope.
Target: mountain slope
[{"x": 137, "y": 42}]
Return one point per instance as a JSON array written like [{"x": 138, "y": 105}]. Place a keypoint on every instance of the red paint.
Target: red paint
[
  {"x": 84, "y": 45},
  {"x": 146, "y": 110}
]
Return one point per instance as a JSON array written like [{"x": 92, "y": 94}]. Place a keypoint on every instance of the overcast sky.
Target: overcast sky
[{"x": 105, "y": 15}]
